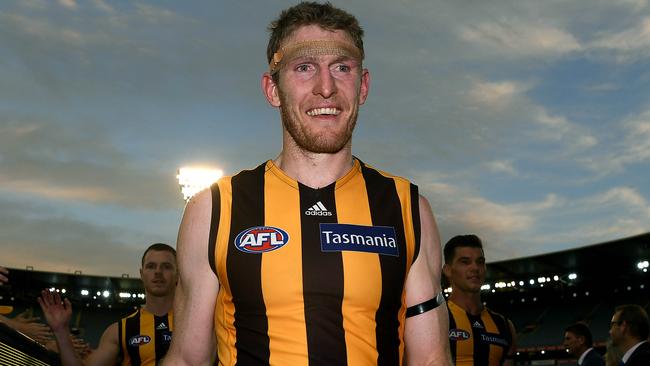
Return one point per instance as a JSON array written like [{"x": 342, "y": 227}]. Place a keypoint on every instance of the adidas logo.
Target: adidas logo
[
  {"x": 318, "y": 210},
  {"x": 161, "y": 326},
  {"x": 477, "y": 325}
]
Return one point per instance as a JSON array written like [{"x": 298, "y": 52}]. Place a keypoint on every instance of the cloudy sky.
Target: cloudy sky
[{"x": 526, "y": 122}]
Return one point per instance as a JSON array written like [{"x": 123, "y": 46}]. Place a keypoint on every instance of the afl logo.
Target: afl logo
[
  {"x": 458, "y": 335},
  {"x": 139, "y": 340},
  {"x": 261, "y": 239}
]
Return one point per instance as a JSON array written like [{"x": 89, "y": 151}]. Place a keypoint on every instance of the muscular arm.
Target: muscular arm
[
  {"x": 57, "y": 314},
  {"x": 513, "y": 345},
  {"x": 426, "y": 335},
  {"x": 194, "y": 342}
]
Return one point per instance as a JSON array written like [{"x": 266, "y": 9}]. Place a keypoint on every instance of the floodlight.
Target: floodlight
[
  {"x": 84, "y": 292},
  {"x": 642, "y": 265},
  {"x": 573, "y": 276},
  {"x": 105, "y": 293},
  {"x": 194, "y": 179}
]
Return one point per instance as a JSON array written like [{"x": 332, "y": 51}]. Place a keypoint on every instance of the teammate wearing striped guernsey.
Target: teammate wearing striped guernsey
[
  {"x": 140, "y": 339},
  {"x": 477, "y": 335},
  {"x": 314, "y": 258}
]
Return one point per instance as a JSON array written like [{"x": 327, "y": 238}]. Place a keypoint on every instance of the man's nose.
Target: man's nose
[{"x": 326, "y": 84}]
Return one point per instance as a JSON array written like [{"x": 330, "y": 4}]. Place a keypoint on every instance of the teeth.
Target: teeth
[{"x": 321, "y": 111}]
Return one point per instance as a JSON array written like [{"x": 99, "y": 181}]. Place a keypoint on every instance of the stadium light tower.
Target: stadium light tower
[{"x": 194, "y": 179}]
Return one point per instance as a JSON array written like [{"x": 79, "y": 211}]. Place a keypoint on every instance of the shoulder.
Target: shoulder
[
  {"x": 642, "y": 351},
  {"x": 370, "y": 168},
  {"x": 111, "y": 333}
]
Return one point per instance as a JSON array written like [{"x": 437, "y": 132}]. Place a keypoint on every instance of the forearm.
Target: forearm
[{"x": 68, "y": 354}]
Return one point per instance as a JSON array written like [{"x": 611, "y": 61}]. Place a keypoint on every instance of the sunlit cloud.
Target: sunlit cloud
[
  {"x": 496, "y": 95},
  {"x": 515, "y": 38},
  {"x": 501, "y": 166},
  {"x": 560, "y": 129},
  {"x": 635, "y": 39},
  {"x": 71, "y": 4}
]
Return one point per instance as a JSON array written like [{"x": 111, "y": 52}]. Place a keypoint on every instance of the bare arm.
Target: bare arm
[
  {"x": 194, "y": 342},
  {"x": 57, "y": 314},
  {"x": 30, "y": 326},
  {"x": 513, "y": 345},
  {"x": 426, "y": 335}
]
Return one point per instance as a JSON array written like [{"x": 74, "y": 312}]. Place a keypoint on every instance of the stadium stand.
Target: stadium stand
[{"x": 526, "y": 289}]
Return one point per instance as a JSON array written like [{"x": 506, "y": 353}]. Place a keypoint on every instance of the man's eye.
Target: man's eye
[
  {"x": 302, "y": 68},
  {"x": 343, "y": 68}
]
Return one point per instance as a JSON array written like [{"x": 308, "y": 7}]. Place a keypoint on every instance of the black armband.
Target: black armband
[{"x": 425, "y": 306}]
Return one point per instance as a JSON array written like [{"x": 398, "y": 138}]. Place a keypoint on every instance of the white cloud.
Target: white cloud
[
  {"x": 70, "y": 4},
  {"x": 518, "y": 38},
  {"x": 102, "y": 5},
  {"x": 496, "y": 95},
  {"x": 154, "y": 14},
  {"x": 501, "y": 166},
  {"x": 636, "y": 39},
  {"x": 623, "y": 196},
  {"x": 479, "y": 214},
  {"x": 634, "y": 149},
  {"x": 560, "y": 129},
  {"x": 44, "y": 30}
]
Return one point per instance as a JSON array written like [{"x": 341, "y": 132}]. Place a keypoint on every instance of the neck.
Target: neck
[
  {"x": 581, "y": 351},
  {"x": 159, "y": 305},
  {"x": 629, "y": 343},
  {"x": 312, "y": 169},
  {"x": 468, "y": 301}
]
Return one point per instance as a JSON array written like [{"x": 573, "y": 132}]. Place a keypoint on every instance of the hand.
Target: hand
[
  {"x": 81, "y": 346},
  {"x": 31, "y": 327},
  {"x": 57, "y": 313},
  {"x": 3, "y": 275}
]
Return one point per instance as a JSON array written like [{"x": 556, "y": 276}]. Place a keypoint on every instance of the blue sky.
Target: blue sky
[{"x": 525, "y": 122}]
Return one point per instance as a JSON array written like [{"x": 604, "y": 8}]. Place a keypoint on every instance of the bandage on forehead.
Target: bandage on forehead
[{"x": 310, "y": 49}]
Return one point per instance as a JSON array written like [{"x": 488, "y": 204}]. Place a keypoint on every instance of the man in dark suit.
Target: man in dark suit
[
  {"x": 579, "y": 343},
  {"x": 629, "y": 332}
]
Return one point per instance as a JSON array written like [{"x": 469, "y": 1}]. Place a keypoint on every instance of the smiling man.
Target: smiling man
[
  {"x": 141, "y": 338},
  {"x": 477, "y": 335},
  {"x": 314, "y": 257}
]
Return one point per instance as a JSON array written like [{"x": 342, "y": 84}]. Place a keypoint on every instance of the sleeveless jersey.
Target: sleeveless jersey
[
  {"x": 144, "y": 338},
  {"x": 478, "y": 340},
  {"x": 312, "y": 276}
]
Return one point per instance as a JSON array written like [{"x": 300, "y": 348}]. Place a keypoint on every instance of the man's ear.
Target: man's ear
[
  {"x": 364, "y": 88},
  {"x": 446, "y": 270},
  {"x": 270, "y": 90}
]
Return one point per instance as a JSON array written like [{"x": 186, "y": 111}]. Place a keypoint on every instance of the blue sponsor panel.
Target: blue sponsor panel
[{"x": 358, "y": 238}]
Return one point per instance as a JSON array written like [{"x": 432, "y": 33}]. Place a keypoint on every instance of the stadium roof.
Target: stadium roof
[{"x": 611, "y": 261}]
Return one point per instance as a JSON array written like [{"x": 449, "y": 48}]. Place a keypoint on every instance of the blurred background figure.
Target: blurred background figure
[
  {"x": 613, "y": 355},
  {"x": 579, "y": 342},
  {"x": 141, "y": 338},
  {"x": 24, "y": 322},
  {"x": 477, "y": 335},
  {"x": 629, "y": 330}
]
